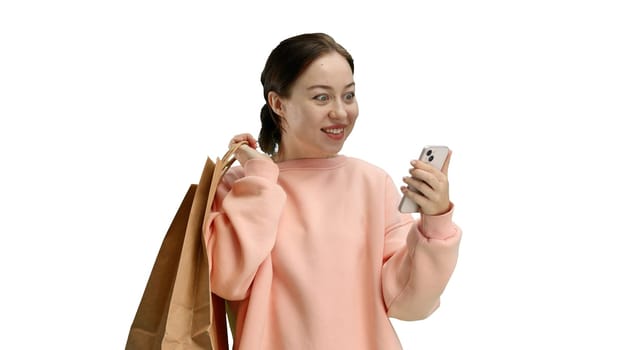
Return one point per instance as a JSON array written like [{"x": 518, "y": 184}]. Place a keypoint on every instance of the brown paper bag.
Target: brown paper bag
[{"x": 178, "y": 310}]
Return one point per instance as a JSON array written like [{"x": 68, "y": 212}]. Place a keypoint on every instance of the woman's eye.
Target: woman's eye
[
  {"x": 349, "y": 96},
  {"x": 321, "y": 98}
]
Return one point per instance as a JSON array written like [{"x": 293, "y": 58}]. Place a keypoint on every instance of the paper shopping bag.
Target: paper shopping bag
[{"x": 178, "y": 310}]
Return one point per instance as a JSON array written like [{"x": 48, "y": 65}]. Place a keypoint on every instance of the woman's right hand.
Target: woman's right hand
[{"x": 248, "y": 151}]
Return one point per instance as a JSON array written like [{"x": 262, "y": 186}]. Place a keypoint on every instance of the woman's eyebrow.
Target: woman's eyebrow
[
  {"x": 319, "y": 86},
  {"x": 326, "y": 87}
]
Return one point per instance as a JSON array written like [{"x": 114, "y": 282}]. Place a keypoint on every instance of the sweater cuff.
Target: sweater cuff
[
  {"x": 438, "y": 226},
  {"x": 264, "y": 168}
]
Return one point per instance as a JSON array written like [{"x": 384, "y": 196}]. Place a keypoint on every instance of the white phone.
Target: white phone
[{"x": 434, "y": 155}]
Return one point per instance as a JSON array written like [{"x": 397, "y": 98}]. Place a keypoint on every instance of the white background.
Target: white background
[{"x": 108, "y": 110}]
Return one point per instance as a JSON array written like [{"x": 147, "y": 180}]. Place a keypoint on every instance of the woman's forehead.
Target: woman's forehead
[{"x": 330, "y": 70}]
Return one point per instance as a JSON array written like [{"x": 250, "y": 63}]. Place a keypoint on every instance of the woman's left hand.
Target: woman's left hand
[{"x": 433, "y": 187}]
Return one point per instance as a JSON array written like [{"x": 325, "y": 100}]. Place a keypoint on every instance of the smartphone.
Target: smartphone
[{"x": 434, "y": 155}]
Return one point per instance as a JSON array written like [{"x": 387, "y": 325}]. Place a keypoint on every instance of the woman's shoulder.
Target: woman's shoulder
[{"x": 366, "y": 166}]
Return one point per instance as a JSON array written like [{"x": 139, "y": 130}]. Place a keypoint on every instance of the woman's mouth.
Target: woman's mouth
[{"x": 334, "y": 133}]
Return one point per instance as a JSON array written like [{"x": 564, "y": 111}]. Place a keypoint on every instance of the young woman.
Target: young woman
[{"x": 308, "y": 245}]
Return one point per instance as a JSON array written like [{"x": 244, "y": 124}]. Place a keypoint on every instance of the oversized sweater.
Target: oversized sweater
[{"x": 313, "y": 254}]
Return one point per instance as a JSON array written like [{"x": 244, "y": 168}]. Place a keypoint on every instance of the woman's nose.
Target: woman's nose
[{"x": 338, "y": 111}]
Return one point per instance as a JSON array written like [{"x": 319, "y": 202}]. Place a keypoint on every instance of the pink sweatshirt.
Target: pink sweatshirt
[{"x": 313, "y": 254}]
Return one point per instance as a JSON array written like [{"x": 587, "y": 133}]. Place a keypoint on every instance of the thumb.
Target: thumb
[{"x": 445, "y": 167}]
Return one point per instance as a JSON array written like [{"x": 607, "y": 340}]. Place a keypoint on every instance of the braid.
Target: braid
[{"x": 270, "y": 133}]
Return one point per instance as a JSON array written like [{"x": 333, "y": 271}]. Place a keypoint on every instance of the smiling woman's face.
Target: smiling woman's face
[{"x": 320, "y": 112}]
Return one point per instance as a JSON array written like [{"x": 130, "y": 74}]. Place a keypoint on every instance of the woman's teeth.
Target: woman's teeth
[{"x": 333, "y": 131}]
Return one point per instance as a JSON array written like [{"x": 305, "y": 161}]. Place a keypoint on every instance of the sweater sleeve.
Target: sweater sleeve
[
  {"x": 241, "y": 229},
  {"x": 419, "y": 258}
]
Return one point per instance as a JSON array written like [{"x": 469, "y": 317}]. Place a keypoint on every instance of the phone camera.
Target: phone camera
[{"x": 429, "y": 155}]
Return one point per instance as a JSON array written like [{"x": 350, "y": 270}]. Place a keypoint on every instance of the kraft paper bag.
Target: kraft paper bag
[{"x": 178, "y": 310}]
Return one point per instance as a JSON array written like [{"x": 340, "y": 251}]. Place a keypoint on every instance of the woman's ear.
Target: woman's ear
[{"x": 276, "y": 103}]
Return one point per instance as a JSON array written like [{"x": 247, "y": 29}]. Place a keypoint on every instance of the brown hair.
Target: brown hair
[{"x": 284, "y": 65}]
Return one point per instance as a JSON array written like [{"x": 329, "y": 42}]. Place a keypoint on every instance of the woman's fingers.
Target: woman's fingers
[
  {"x": 418, "y": 185},
  {"x": 244, "y": 137},
  {"x": 430, "y": 179},
  {"x": 428, "y": 187},
  {"x": 248, "y": 151}
]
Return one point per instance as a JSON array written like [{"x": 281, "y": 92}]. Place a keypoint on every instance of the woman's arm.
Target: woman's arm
[
  {"x": 419, "y": 259},
  {"x": 241, "y": 230}
]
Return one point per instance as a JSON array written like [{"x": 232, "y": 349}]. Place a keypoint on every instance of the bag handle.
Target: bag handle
[
  {"x": 229, "y": 157},
  {"x": 220, "y": 168}
]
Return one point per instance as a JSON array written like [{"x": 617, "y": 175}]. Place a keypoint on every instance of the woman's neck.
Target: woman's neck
[{"x": 279, "y": 157}]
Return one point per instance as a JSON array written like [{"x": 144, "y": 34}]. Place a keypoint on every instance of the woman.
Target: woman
[{"x": 308, "y": 245}]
